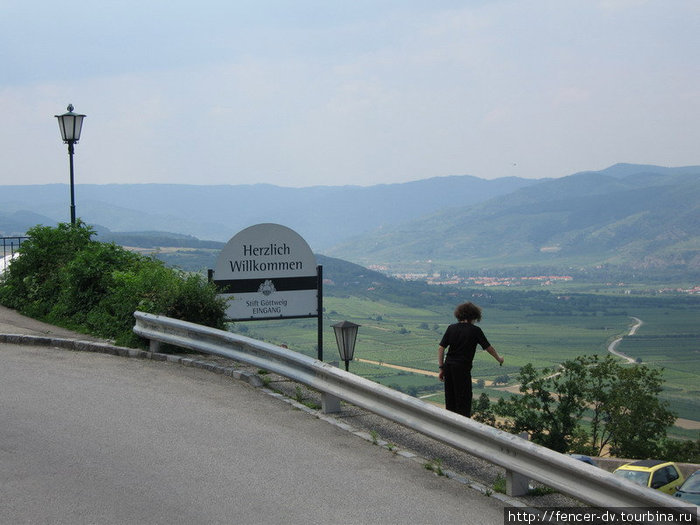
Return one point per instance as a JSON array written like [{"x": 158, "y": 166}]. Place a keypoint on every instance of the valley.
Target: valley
[
  {"x": 562, "y": 267},
  {"x": 397, "y": 343}
]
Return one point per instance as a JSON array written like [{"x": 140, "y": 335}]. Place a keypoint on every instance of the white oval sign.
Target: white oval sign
[{"x": 268, "y": 271}]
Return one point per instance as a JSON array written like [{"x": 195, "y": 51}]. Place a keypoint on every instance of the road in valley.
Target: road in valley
[{"x": 613, "y": 345}]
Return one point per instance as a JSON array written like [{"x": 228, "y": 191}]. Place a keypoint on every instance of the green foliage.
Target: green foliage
[
  {"x": 634, "y": 415},
  {"x": 627, "y": 412},
  {"x": 33, "y": 281},
  {"x": 628, "y": 415},
  {"x": 482, "y": 411},
  {"x": 499, "y": 484},
  {"x": 435, "y": 465},
  {"x": 86, "y": 279},
  {"x": 550, "y": 407},
  {"x": 503, "y": 379},
  {"x": 151, "y": 287},
  {"x": 68, "y": 279},
  {"x": 682, "y": 451}
]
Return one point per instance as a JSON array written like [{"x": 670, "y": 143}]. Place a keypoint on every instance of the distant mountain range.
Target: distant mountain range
[
  {"x": 634, "y": 215},
  {"x": 627, "y": 215},
  {"x": 323, "y": 215}
]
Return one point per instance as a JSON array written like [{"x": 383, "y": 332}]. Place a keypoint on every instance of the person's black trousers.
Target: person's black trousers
[{"x": 458, "y": 388}]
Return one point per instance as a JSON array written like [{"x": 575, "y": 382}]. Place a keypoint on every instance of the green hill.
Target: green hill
[{"x": 641, "y": 219}]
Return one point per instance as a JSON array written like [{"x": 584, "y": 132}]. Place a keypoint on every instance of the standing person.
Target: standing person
[{"x": 461, "y": 339}]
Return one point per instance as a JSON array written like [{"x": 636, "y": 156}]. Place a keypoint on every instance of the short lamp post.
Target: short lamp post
[
  {"x": 345, "y": 336},
  {"x": 70, "y": 125}
]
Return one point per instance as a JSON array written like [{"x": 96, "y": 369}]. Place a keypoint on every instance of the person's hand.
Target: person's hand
[{"x": 441, "y": 375}]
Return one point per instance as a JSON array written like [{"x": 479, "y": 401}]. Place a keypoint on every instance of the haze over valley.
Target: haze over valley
[{"x": 644, "y": 218}]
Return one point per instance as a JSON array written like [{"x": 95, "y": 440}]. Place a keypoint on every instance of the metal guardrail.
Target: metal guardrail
[{"x": 521, "y": 459}]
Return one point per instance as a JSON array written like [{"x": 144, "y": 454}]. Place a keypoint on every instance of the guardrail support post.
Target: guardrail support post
[
  {"x": 517, "y": 484},
  {"x": 330, "y": 404},
  {"x": 153, "y": 346}
]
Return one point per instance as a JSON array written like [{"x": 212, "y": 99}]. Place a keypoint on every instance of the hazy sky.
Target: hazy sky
[{"x": 334, "y": 92}]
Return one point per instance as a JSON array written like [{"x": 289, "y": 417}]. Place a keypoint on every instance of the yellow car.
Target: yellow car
[{"x": 653, "y": 473}]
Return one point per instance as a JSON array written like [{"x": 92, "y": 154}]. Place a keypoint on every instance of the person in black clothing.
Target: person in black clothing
[{"x": 460, "y": 340}]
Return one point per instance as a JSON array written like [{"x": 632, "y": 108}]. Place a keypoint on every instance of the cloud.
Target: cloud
[{"x": 360, "y": 93}]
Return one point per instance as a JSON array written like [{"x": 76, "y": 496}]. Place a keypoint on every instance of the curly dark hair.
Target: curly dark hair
[{"x": 468, "y": 312}]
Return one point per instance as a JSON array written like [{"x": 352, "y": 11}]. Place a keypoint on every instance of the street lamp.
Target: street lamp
[
  {"x": 70, "y": 125},
  {"x": 345, "y": 336}
]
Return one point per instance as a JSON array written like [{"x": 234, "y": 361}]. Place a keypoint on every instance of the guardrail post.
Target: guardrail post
[
  {"x": 330, "y": 404},
  {"x": 153, "y": 346},
  {"x": 517, "y": 484}
]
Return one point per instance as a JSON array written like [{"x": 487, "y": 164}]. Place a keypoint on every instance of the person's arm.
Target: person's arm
[
  {"x": 441, "y": 362},
  {"x": 491, "y": 350}
]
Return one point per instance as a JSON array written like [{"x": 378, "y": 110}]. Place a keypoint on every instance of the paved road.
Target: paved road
[
  {"x": 92, "y": 438},
  {"x": 612, "y": 347}
]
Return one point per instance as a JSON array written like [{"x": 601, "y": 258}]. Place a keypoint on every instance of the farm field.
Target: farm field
[
  {"x": 392, "y": 333},
  {"x": 670, "y": 339}
]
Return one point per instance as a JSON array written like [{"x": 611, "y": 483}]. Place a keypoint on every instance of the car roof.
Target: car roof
[{"x": 645, "y": 465}]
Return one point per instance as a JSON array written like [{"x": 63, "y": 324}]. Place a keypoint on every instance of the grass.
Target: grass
[
  {"x": 499, "y": 485},
  {"x": 670, "y": 339},
  {"x": 435, "y": 465}
]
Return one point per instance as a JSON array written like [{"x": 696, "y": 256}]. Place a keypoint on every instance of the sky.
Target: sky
[{"x": 346, "y": 92}]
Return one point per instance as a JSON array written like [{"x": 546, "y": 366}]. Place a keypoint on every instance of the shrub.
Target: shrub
[
  {"x": 87, "y": 278},
  {"x": 627, "y": 414},
  {"x": 66, "y": 278},
  {"x": 33, "y": 281},
  {"x": 682, "y": 451}
]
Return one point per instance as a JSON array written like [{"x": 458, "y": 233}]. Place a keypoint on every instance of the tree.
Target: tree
[
  {"x": 627, "y": 414},
  {"x": 502, "y": 380},
  {"x": 635, "y": 417},
  {"x": 550, "y": 407},
  {"x": 683, "y": 451},
  {"x": 602, "y": 376},
  {"x": 482, "y": 411}
]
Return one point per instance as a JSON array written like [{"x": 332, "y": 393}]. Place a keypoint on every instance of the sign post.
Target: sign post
[{"x": 268, "y": 271}]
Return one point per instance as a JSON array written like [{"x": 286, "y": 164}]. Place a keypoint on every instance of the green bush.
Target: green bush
[
  {"x": 33, "y": 282},
  {"x": 627, "y": 414},
  {"x": 68, "y": 279},
  {"x": 154, "y": 288},
  {"x": 87, "y": 278},
  {"x": 682, "y": 451}
]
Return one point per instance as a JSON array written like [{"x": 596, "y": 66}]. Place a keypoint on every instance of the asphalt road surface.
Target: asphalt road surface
[{"x": 92, "y": 438}]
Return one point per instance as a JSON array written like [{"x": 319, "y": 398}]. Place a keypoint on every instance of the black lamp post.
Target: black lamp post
[
  {"x": 345, "y": 336},
  {"x": 70, "y": 125}
]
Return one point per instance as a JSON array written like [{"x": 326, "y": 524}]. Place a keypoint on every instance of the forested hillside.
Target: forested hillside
[
  {"x": 323, "y": 215},
  {"x": 646, "y": 219},
  {"x": 637, "y": 218}
]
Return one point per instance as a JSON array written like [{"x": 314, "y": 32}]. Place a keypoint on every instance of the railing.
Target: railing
[
  {"x": 10, "y": 244},
  {"x": 522, "y": 459}
]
